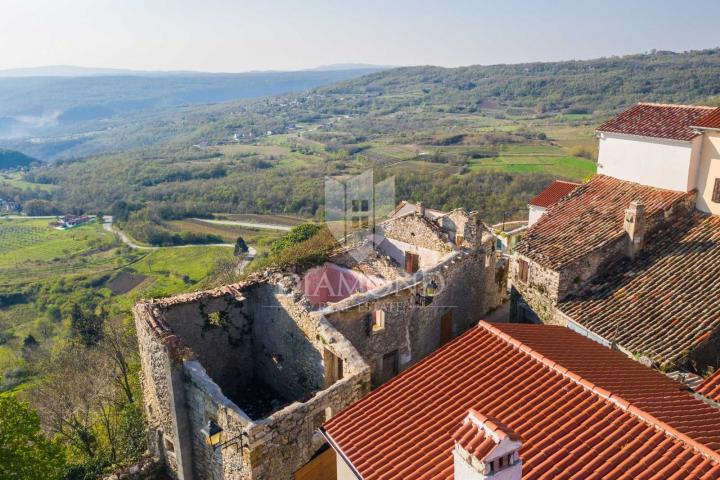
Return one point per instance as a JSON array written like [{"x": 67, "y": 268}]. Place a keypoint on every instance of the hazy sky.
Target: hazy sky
[{"x": 239, "y": 35}]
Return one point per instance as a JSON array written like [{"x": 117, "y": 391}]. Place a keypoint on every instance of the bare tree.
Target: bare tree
[
  {"x": 75, "y": 390},
  {"x": 119, "y": 344}
]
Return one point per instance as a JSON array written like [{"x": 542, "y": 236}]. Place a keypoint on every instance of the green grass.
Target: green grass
[
  {"x": 228, "y": 233},
  {"x": 33, "y": 241},
  {"x": 516, "y": 149},
  {"x": 575, "y": 168},
  {"x": 15, "y": 179},
  {"x": 175, "y": 270}
]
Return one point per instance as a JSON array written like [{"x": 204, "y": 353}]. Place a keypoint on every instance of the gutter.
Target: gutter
[{"x": 340, "y": 453}]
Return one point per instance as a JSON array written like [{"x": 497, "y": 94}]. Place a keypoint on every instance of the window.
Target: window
[
  {"x": 459, "y": 239},
  {"x": 377, "y": 321},
  {"x": 716, "y": 191},
  {"x": 412, "y": 262},
  {"x": 169, "y": 447},
  {"x": 522, "y": 270}
]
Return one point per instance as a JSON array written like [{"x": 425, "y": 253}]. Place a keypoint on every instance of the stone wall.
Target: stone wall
[
  {"x": 266, "y": 331},
  {"x": 415, "y": 230},
  {"x": 285, "y": 350},
  {"x": 472, "y": 283},
  {"x": 545, "y": 287}
]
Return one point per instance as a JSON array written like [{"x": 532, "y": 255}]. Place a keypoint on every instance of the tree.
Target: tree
[
  {"x": 86, "y": 326},
  {"x": 73, "y": 383},
  {"x": 240, "y": 246},
  {"x": 119, "y": 345},
  {"x": 25, "y": 454}
]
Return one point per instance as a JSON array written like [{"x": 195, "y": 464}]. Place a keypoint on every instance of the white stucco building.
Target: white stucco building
[
  {"x": 547, "y": 198},
  {"x": 674, "y": 147}
]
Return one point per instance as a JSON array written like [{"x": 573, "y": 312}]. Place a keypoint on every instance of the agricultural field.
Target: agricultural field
[
  {"x": 44, "y": 271},
  {"x": 31, "y": 244},
  {"x": 16, "y": 180},
  {"x": 568, "y": 167}
]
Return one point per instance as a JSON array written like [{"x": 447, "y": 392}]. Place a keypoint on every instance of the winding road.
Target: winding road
[{"x": 108, "y": 226}]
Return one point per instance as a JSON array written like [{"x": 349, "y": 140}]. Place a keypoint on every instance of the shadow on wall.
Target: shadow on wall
[{"x": 253, "y": 350}]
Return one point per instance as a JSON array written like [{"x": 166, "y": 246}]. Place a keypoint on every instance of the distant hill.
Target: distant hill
[
  {"x": 96, "y": 115},
  {"x": 10, "y": 159},
  {"x": 55, "y": 105},
  {"x": 599, "y": 86}
]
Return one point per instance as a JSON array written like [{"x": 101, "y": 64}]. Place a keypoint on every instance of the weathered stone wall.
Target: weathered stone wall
[
  {"x": 415, "y": 230},
  {"x": 285, "y": 351},
  {"x": 219, "y": 332},
  {"x": 272, "y": 448},
  {"x": 545, "y": 287},
  {"x": 285, "y": 342},
  {"x": 471, "y": 285}
]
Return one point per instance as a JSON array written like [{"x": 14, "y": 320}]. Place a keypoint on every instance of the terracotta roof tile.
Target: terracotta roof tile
[
  {"x": 657, "y": 120},
  {"x": 590, "y": 216},
  {"x": 666, "y": 301},
  {"x": 518, "y": 374},
  {"x": 553, "y": 193},
  {"x": 709, "y": 120},
  {"x": 711, "y": 387}
]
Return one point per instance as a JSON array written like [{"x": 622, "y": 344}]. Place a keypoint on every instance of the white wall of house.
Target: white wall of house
[
  {"x": 708, "y": 171},
  {"x": 534, "y": 214},
  {"x": 343, "y": 470},
  {"x": 669, "y": 164}
]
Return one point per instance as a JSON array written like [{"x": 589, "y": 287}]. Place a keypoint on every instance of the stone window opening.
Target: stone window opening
[
  {"x": 333, "y": 368},
  {"x": 459, "y": 239},
  {"x": 169, "y": 446},
  {"x": 523, "y": 268},
  {"x": 377, "y": 321},
  {"x": 716, "y": 191}
]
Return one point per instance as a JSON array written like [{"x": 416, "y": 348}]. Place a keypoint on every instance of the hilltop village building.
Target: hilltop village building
[
  {"x": 632, "y": 257},
  {"x": 514, "y": 401},
  {"x": 256, "y": 368}
]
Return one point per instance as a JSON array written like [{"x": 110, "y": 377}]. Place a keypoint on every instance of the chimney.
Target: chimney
[
  {"x": 634, "y": 226},
  {"x": 420, "y": 209},
  {"x": 486, "y": 449}
]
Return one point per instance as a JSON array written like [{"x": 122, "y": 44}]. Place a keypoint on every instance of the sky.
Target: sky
[{"x": 240, "y": 35}]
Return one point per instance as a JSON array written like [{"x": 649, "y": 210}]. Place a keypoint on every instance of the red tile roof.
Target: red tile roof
[
  {"x": 553, "y": 193},
  {"x": 657, "y": 120},
  {"x": 711, "y": 387},
  {"x": 590, "y": 217},
  {"x": 581, "y": 410},
  {"x": 709, "y": 120},
  {"x": 664, "y": 303}
]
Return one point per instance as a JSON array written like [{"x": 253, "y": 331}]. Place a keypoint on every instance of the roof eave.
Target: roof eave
[
  {"x": 338, "y": 451},
  {"x": 598, "y": 131}
]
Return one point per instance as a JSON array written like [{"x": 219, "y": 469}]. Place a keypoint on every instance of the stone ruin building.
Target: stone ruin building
[{"x": 271, "y": 359}]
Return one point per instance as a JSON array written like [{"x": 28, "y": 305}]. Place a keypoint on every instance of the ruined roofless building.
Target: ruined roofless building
[{"x": 266, "y": 362}]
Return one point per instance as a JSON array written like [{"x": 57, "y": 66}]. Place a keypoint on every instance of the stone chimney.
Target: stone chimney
[
  {"x": 486, "y": 449},
  {"x": 634, "y": 226},
  {"x": 420, "y": 209}
]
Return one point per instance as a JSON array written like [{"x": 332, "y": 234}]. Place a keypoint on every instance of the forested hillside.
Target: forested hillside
[
  {"x": 485, "y": 138},
  {"x": 12, "y": 159}
]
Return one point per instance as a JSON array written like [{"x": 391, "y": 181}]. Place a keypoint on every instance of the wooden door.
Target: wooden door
[
  {"x": 412, "y": 262},
  {"x": 390, "y": 366},
  {"x": 446, "y": 327}
]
